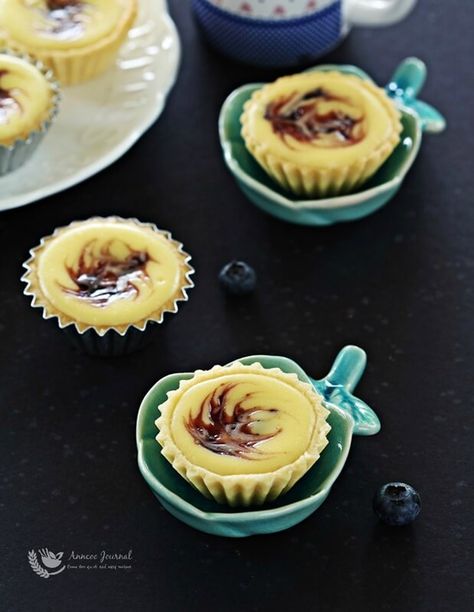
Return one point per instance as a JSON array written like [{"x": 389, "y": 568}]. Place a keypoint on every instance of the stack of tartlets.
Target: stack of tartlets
[{"x": 107, "y": 280}]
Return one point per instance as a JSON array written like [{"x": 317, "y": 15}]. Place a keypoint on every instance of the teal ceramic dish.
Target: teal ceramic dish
[
  {"x": 348, "y": 415},
  {"x": 417, "y": 117}
]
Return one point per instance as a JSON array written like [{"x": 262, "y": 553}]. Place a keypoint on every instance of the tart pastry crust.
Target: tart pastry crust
[
  {"x": 242, "y": 434},
  {"x": 320, "y": 134}
]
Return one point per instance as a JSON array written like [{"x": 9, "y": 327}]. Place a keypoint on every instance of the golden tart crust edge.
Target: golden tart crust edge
[
  {"x": 242, "y": 489},
  {"x": 309, "y": 181},
  {"x": 73, "y": 66},
  {"x": 39, "y": 299}
]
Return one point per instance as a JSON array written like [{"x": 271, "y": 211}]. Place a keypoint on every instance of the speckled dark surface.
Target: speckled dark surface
[{"x": 398, "y": 284}]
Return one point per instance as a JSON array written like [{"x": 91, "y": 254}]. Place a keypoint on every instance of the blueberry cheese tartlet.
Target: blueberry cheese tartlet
[
  {"x": 29, "y": 98},
  {"x": 108, "y": 275},
  {"x": 242, "y": 434},
  {"x": 320, "y": 134},
  {"x": 78, "y": 39}
]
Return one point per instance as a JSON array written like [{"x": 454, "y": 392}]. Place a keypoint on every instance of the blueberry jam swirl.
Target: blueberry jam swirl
[
  {"x": 65, "y": 19},
  {"x": 101, "y": 279},
  {"x": 8, "y": 104},
  {"x": 298, "y": 116},
  {"x": 228, "y": 431}
]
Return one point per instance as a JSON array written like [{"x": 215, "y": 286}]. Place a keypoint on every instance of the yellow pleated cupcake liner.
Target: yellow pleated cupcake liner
[
  {"x": 241, "y": 489},
  {"x": 317, "y": 182},
  {"x": 74, "y": 66}
]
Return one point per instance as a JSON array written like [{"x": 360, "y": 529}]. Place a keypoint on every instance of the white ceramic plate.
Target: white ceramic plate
[{"x": 100, "y": 120}]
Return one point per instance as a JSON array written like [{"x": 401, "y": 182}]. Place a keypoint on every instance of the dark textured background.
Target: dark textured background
[{"x": 398, "y": 283}]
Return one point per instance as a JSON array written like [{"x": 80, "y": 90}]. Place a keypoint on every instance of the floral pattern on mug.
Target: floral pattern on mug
[{"x": 272, "y": 9}]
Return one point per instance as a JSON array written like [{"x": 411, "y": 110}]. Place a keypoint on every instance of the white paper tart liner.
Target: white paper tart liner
[
  {"x": 19, "y": 152},
  {"x": 242, "y": 489},
  {"x": 309, "y": 180},
  {"x": 111, "y": 340}
]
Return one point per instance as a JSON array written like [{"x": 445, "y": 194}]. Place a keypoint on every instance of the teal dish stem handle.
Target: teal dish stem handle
[
  {"x": 404, "y": 87},
  {"x": 337, "y": 387}
]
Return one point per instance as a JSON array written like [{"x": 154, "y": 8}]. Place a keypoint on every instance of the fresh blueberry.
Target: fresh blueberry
[
  {"x": 238, "y": 278},
  {"x": 397, "y": 503}
]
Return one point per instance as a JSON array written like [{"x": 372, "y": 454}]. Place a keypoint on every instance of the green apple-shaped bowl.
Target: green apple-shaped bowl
[
  {"x": 416, "y": 117},
  {"x": 348, "y": 415}
]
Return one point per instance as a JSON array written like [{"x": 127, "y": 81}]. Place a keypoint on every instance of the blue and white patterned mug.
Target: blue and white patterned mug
[{"x": 283, "y": 33}]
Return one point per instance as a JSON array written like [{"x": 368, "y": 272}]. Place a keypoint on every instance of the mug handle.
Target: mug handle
[{"x": 377, "y": 12}]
